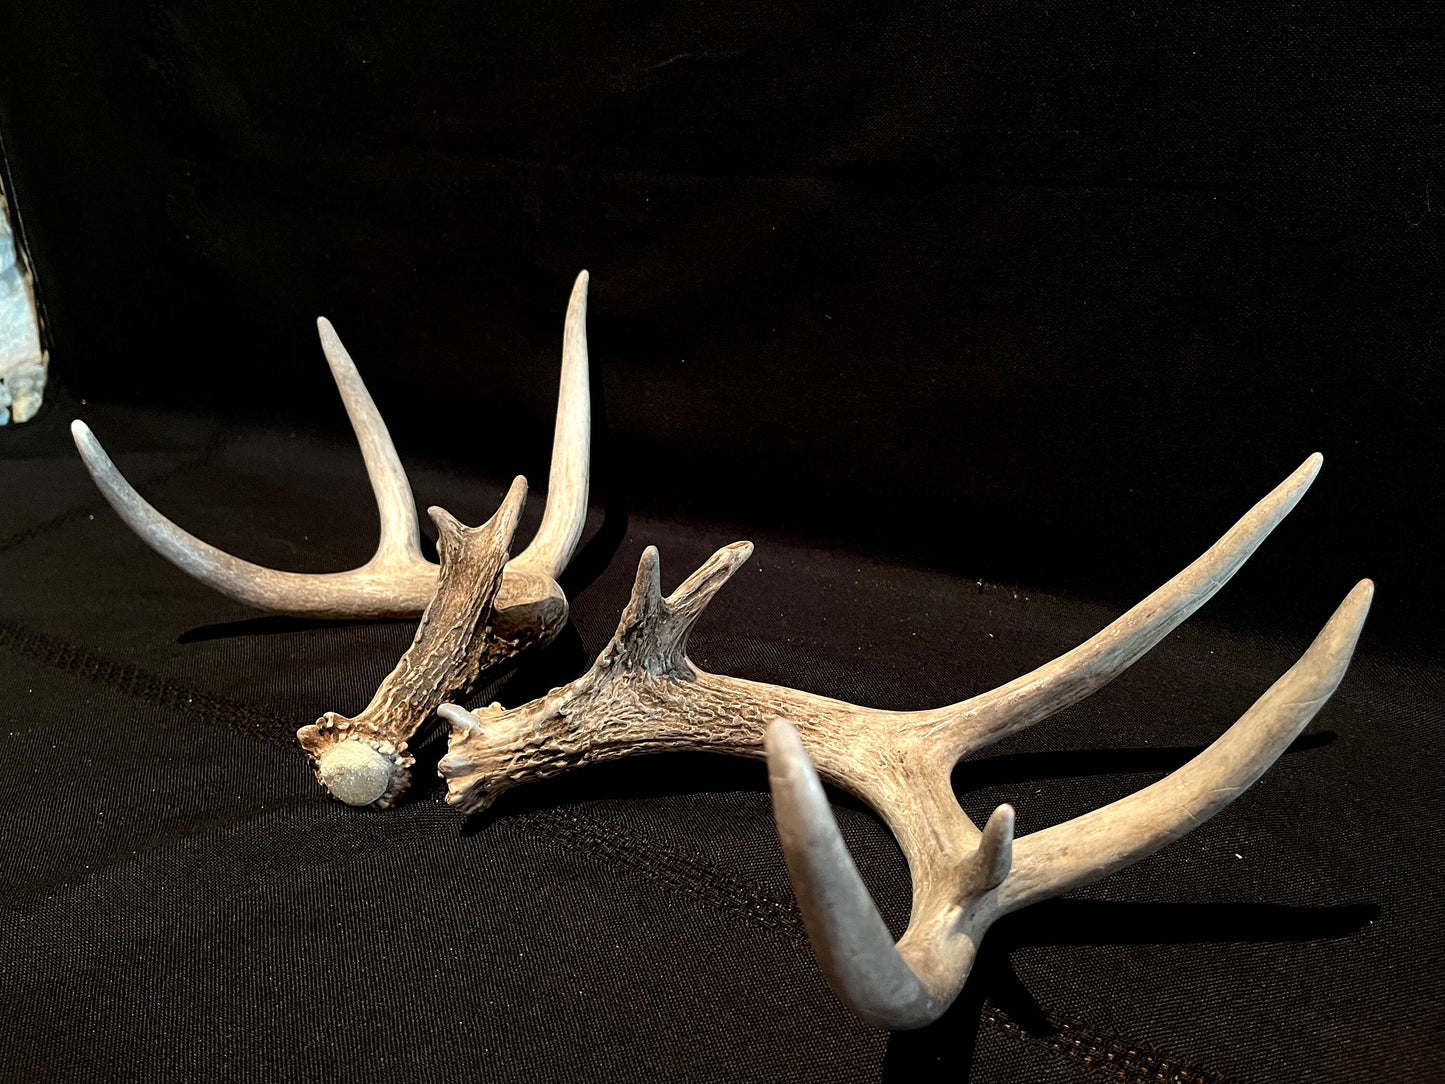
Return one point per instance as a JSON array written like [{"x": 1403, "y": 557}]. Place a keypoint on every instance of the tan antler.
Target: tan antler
[
  {"x": 644, "y": 695},
  {"x": 364, "y": 760},
  {"x": 398, "y": 581}
]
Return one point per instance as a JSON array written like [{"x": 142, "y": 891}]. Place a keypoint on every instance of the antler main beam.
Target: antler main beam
[
  {"x": 397, "y": 581},
  {"x": 644, "y": 695}
]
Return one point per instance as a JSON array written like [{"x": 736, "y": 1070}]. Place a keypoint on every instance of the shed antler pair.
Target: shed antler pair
[
  {"x": 483, "y": 611},
  {"x": 644, "y": 695}
]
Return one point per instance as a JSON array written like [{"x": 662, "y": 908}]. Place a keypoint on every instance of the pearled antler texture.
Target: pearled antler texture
[{"x": 644, "y": 695}]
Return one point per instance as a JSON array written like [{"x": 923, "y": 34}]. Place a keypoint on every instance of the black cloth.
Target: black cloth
[
  {"x": 981, "y": 320},
  {"x": 182, "y": 902}
]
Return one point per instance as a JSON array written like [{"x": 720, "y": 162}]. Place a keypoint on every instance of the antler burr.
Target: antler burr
[
  {"x": 644, "y": 695},
  {"x": 398, "y": 581}
]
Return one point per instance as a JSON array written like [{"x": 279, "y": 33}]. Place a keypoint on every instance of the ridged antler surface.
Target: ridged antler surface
[
  {"x": 364, "y": 760},
  {"x": 644, "y": 695}
]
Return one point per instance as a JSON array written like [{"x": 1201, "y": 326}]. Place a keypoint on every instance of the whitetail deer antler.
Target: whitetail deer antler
[
  {"x": 644, "y": 695},
  {"x": 364, "y": 760},
  {"x": 482, "y": 612},
  {"x": 398, "y": 581}
]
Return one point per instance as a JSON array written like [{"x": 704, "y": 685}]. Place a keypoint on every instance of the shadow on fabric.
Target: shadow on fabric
[{"x": 945, "y": 1049}]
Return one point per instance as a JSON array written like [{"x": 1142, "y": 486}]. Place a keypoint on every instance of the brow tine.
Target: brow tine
[{"x": 852, "y": 944}]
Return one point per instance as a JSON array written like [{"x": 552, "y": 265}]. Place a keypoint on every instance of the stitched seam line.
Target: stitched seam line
[
  {"x": 1111, "y": 1057},
  {"x": 105, "y": 862},
  {"x": 699, "y": 880},
  {"x": 132, "y": 681}
]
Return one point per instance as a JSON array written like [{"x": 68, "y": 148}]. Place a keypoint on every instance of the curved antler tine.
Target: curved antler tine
[
  {"x": 567, "y": 484},
  {"x": 1087, "y": 848},
  {"x": 849, "y": 939},
  {"x": 400, "y": 533},
  {"x": 255, "y": 585},
  {"x": 1103, "y": 657}
]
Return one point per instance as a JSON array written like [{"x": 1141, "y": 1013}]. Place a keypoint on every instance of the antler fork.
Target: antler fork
[
  {"x": 398, "y": 581},
  {"x": 644, "y": 695}
]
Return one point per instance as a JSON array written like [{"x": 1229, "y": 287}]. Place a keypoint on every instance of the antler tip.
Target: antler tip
[
  {"x": 462, "y": 722},
  {"x": 1356, "y": 606},
  {"x": 96, "y": 461},
  {"x": 443, "y": 519},
  {"x": 577, "y": 304},
  {"x": 84, "y": 439},
  {"x": 996, "y": 848},
  {"x": 1001, "y": 820},
  {"x": 330, "y": 342},
  {"x": 647, "y": 584},
  {"x": 517, "y": 491},
  {"x": 1292, "y": 488}
]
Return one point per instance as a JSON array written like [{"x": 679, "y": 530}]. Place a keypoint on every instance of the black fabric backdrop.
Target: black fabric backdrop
[{"x": 981, "y": 320}]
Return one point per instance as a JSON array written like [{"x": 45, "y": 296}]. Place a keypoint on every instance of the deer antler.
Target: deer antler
[
  {"x": 363, "y": 760},
  {"x": 398, "y": 581},
  {"x": 644, "y": 695}
]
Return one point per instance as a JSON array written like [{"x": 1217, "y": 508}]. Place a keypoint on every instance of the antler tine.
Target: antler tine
[
  {"x": 849, "y": 938},
  {"x": 400, "y": 533},
  {"x": 669, "y": 620},
  {"x": 966, "y": 727},
  {"x": 395, "y": 589},
  {"x": 1092, "y": 846},
  {"x": 567, "y": 484},
  {"x": 994, "y": 859}
]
